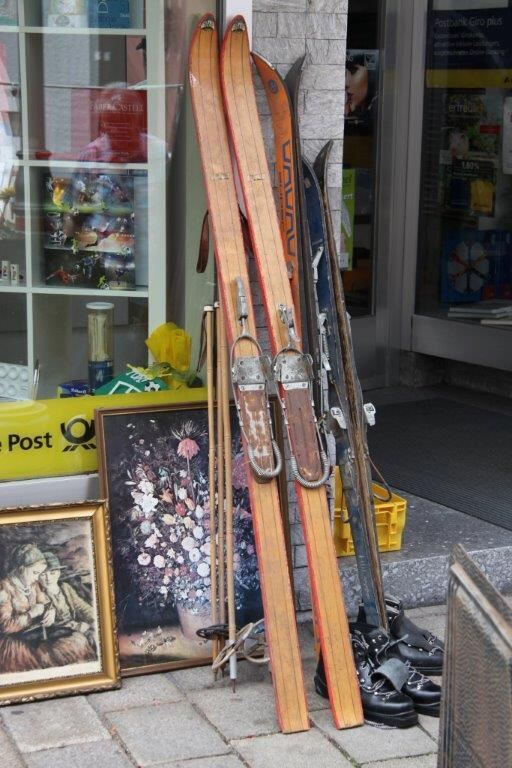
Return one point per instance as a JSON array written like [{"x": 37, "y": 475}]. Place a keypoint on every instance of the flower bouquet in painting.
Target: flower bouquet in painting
[{"x": 160, "y": 511}]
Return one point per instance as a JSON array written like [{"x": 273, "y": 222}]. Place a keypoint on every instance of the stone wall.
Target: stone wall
[{"x": 284, "y": 30}]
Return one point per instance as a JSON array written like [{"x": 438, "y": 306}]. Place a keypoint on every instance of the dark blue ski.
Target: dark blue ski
[{"x": 343, "y": 407}]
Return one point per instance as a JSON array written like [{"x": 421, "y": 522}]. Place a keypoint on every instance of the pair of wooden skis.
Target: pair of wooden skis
[{"x": 234, "y": 104}]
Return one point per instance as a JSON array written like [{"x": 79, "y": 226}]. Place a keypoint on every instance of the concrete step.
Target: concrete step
[{"x": 418, "y": 573}]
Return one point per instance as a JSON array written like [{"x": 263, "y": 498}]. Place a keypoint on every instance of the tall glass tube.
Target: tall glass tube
[{"x": 100, "y": 334}]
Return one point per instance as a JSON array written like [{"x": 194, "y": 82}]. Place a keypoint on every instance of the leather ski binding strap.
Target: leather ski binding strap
[
  {"x": 293, "y": 369},
  {"x": 251, "y": 373}
]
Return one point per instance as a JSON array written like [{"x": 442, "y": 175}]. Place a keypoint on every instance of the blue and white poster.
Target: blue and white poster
[{"x": 469, "y": 49}]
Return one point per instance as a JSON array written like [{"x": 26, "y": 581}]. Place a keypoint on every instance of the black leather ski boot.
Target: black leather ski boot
[
  {"x": 420, "y": 647},
  {"x": 382, "y": 703},
  {"x": 425, "y": 695}
]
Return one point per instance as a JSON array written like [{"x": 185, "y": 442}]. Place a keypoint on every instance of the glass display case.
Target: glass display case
[{"x": 89, "y": 98}]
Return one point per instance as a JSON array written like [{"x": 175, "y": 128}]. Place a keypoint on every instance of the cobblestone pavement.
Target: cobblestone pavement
[{"x": 184, "y": 719}]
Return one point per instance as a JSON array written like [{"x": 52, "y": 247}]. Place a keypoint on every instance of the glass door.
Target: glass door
[{"x": 373, "y": 88}]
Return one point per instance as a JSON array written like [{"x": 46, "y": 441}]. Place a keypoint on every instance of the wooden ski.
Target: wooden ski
[
  {"x": 286, "y": 172},
  {"x": 249, "y": 379},
  {"x": 344, "y": 415},
  {"x": 292, "y": 370}
]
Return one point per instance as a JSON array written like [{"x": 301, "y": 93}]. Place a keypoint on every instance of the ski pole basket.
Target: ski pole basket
[{"x": 390, "y": 517}]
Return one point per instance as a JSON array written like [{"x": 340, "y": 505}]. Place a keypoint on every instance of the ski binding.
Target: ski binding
[
  {"x": 293, "y": 370},
  {"x": 251, "y": 373}
]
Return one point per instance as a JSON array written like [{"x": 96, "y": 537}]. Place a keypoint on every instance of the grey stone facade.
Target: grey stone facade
[{"x": 284, "y": 30}]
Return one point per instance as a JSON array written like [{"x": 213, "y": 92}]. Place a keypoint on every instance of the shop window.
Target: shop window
[
  {"x": 465, "y": 223},
  {"x": 91, "y": 95}
]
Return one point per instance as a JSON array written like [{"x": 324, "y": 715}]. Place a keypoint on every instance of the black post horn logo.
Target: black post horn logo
[{"x": 79, "y": 433}]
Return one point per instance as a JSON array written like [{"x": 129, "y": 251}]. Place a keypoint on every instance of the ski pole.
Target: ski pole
[
  {"x": 229, "y": 496},
  {"x": 208, "y": 311},
  {"x": 220, "y": 473}
]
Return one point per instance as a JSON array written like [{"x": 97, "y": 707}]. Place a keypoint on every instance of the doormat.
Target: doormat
[{"x": 449, "y": 452}]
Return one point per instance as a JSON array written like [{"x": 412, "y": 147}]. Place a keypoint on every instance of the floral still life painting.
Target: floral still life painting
[
  {"x": 154, "y": 471},
  {"x": 53, "y": 629}
]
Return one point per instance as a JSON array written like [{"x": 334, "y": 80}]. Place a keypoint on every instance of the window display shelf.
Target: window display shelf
[
  {"x": 100, "y": 31},
  {"x": 106, "y": 295},
  {"x": 13, "y": 288},
  {"x": 84, "y": 165}
]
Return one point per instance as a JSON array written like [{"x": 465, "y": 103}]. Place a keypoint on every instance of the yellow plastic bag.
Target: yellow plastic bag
[{"x": 170, "y": 344}]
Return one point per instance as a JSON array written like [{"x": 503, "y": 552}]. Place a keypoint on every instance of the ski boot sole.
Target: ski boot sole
[{"x": 433, "y": 710}]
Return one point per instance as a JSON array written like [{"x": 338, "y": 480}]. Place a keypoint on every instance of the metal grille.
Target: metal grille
[{"x": 476, "y": 711}]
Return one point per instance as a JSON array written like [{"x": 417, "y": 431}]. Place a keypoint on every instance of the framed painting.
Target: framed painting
[
  {"x": 154, "y": 472},
  {"x": 57, "y": 618}
]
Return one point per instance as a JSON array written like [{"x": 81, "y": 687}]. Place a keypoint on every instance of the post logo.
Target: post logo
[{"x": 79, "y": 433}]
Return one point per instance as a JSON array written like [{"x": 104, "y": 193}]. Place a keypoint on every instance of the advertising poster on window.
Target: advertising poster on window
[
  {"x": 361, "y": 90},
  {"x": 469, "y": 49}
]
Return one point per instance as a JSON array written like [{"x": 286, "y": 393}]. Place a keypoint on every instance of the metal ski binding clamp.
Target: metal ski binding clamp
[
  {"x": 322, "y": 326},
  {"x": 251, "y": 373},
  {"x": 370, "y": 413},
  {"x": 339, "y": 418},
  {"x": 316, "y": 261},
  {"x": 293, "y": 369},
  {"x": 241, "y": 302},
  {"x": 286, "y": 315}
]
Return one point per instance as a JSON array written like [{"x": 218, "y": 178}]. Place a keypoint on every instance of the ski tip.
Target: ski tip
[
  {"x": 237, "y": 24},
  {"x": 206, "y": 22},
  {"x": 297, "y": 67},
  {"x": 261, "y": 62},
  {"x": 321, "y": 160}
]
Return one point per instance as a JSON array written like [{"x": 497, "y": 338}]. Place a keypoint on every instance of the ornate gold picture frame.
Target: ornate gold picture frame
[{"x": 57, "y": 619}]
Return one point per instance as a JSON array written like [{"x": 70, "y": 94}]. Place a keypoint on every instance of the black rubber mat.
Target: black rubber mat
[{"x": 449, "y": 452}]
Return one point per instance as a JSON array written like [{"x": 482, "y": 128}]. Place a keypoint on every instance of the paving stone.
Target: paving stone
[
  {"x": 137, "y": 691},
  {"x": 367, "y": 744},
  {"x": 51, "y": 724},
  {"x": 315, "y": 701},
  {"x": 226, "y": 761},
  {"x": 9, "y": 756},
  {"x": 105, "y": 754},
  {"x": 292, "y": 750},
  {"x": 425, "y": 761},
  {"x": 250, "y": 711},
  {"x": 427, "y": 610},
  {"x": 159, "y": 734},
  {"x": 430, "y": 725},
  {"x": 435, "y": 624},
  {"x": 201, "y": 678},
  {"x": 306, "y": 639}
]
